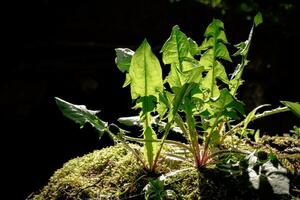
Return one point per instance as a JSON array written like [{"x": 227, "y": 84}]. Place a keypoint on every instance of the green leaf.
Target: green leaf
[
  {"x": 130, "y": 121},
  {"x": 220, "y": 72},
  {"x": 227, "y": 102},
  {"x": 207, "y": 59},
  {"x": 175, "y": 78},
  {"x": 145, "y": 73},
  {"x": 242, "y": 48},
  {"x": 257, "y": 136},
  {"x": 209, "y": 83},
  {"x": 176, "y": 47},
  {"x": 222, "y": 37},
  {"x": 127, "y": 80},
  {"x": 224, "y": 100},
  {"x": 81, "y": 115},
  {"x": 150, "y": 148},
  {"x": 165, "y": 100},
  {"x": 213, "y": 28},
  {"x": 293, "y": 106},
  {"x": 258, "y": 19},
  {"x": 222, "y": 52},
  {"x": 194, "y": 49},
  {"x": 207, "y": 44},
  {"x": 123, "y": 58},
  {"x": 215, "y": 48},
  {"x": 249, "y": 118}
]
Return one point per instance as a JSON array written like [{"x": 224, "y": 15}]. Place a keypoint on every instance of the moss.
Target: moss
[{"x": 113, "y": 173}]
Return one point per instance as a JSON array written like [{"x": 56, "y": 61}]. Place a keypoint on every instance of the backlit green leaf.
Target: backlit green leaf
[
  {"x": 175, "y": 78},
  {"x": 145, "y": 73},
  {"x": 207, "y": 59},
  {"x": 150, "y": 148},
  {"x": 227, "y": 102},
  {"x": 194, "y": 49},
  {"x": 222, "y": 52},
  {"x": 213, "y": 28},
  {"x": 220, "y": 72},
  {"x": 258, "y": 19},
  {"x": 81, "y": 115},
  {"x": 176, "y": 47},
  {"x": 123, "y": 58},
  {"x": 293, "y": 106},
  {"x": 209, "y": 83}
]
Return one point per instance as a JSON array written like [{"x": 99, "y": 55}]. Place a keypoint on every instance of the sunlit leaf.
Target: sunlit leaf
[
  {"x": 222, "y": 52},
  {"x": 145, "y": 73},
  {"x": 123, "y": 58},
  {"x": 209, "y": 82},
  {"x": 227, "y": 101},
  {"x": 176, "y": 47},
  {"x": 175, "y": 78},
  {"x": 150, "y": 148},
  {"x": 81, "y": 115},
  {"x": 213, "y": 28},
  {"x": 293, "y": 106},
  {"x": 130, "y": 121},
  {"x": 220, "y": 72},
  {"x": 194, "y": 48}
]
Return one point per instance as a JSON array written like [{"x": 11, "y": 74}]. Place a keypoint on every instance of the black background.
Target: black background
[{"x": 66, "y": 49}]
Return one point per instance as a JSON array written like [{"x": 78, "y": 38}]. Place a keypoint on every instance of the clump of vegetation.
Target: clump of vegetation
[{"x": 198, "y": 100}]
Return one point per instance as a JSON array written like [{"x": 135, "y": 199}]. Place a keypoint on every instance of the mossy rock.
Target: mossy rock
[{"x": 114, "y": 173}]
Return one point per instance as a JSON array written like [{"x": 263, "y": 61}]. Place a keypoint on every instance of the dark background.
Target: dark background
[{"x": 66, "y": 49}]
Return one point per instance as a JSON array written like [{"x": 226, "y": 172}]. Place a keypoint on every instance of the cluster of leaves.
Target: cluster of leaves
[{"x": 196, "y": 99}]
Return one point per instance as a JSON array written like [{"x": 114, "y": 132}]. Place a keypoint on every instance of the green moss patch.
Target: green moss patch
[{"x": 114, "y": 173}]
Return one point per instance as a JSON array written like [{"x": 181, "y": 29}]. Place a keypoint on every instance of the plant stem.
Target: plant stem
[
  {"x": 158, "y": 140},
  {"x": 123, "y": 141},
  {"x": 177, "y": 101}
]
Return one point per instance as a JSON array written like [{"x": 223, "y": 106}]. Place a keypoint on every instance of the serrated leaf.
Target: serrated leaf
[
  {"x": 258, "y": 19},
  {"x": 207, "y": 43},
  {"x": 175, "y": 77},
  {"x": 224, "y": 100},
  {"x": 81, "y": 115},
  {"x": 209, "y": 83},
  {"x": 222, "y": 37},
  {"x": 207, "y": 59},
  {"x": 220, "y": 72},
  {"x": 226, "y": 103},
  {"x": 123, "y": 58},
  {"x": 293, "y": 106},
  {"x": 250, "y": 116},
  {"x": 194, "y": 49},
  {"x": 145, "y": 73},
  {"x": 241, "y": 48},
  {"x": 213, "y": 28},
  {"x": 222, "y": 52},
  {"x": 176, "y": 47},
  {"x": 165, "y": 100}
]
